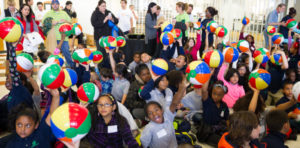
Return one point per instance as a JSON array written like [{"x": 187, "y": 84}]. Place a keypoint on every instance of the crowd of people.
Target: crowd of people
[{"x": 137, "y": 108}]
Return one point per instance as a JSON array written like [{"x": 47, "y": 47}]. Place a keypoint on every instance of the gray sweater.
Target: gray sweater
[{"x": 150, "y": 31}]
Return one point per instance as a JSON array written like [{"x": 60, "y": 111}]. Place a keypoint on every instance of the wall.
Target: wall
[{"x": 297, "y": 6}]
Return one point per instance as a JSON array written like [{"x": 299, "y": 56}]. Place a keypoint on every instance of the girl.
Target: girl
[
  {"x": 249, "y": 38},
  {"x": 150, "y": 28},
  {"x": 160, "y": 132},
  {"x": 243, "y": 131},
  {"x": 25, "y": 16},
  {"x": 182, "y": 20},
  {"x": 109, "y": 128},
  {"x": 244, "y": 75},
  {"x": 192, "y": 47},
  {"x": 232, "y": 81}
]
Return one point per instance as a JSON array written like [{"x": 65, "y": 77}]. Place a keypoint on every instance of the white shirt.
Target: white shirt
[
  {"x": 39, "y": 15},
  {"x": 124, "y": 16}
]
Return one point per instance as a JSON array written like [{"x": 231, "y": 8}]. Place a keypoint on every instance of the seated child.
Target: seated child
[
  {"x": 146, "y": 59},
  {"x": 106, "y": 78},
  {"x": 135, "y": 62}
]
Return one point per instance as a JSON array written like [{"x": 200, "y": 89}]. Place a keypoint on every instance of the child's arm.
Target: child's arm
[
  {"x": 86, "y": 75},
  {"x": 206, "y": 40},
  {"x": 54, "y": 103},
  {"x": 290, "y": 39},
  {"x": 222, "y": 70},
  {"x": 36, "y": 88},
  {"x": 286, "y": 105},
  {"x": 180, "y": 48},
  {"x": 145, "y": 93},
  {"x": 164, "y": 53},
  {"x": 250, "y": 60},
  {"x": 125, "y": 92},
  {"x": 205, "y": 86},
  {"x": 197, "y": 46},
  {"x": 112, "y": 61},
  {"x": 178, "y": 95},
  {"x": 285, "y": 64},
  {"x": 270, "y": 42},
  {"x": 253, "y": 102},
  {"x": 98, "y": 71}
]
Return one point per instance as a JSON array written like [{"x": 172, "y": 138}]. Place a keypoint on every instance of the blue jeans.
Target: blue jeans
[
  {"x": 65, "y": 51},
  {"x": 266, "y": 39}
]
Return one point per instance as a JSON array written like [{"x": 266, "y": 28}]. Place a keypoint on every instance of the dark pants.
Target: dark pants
[{"x": 151, "y": 47}]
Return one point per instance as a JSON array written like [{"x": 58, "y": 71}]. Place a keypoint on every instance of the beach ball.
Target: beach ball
[
  {"x": 243, "y": 46},
  {"x": 70, "y": 122},
  {"x": 260, "y": 79},
  {"x": 77, "y": 29},
  {"x": 167, "y": 38},
  {"x": 110, "y": 43},
  {"x": 291, "y": 24},
  {"x": 97, "y": 57},
  {"x": 197, "y": 25},
  {"x": 121, "y": 42},
  {"x": 234, "y": 44},
  {"x": 83, "y": 56},
  {"x": 261, "y": 55},
  {"x": 19, "y": 48},
  {"x": 70, "y": 78},
  {"x": 66, "y": 28},
  {"x": 177, "y": 33},
  {"x": 213, "y": 58},
  {"x": 225, "y": 43},
  {"x": 276, "y": 59},
  {"x": 245, "y": 21},
  {"x": 296, "y": 91},
  {"x": 51, "y": 75},
  {"x": 230, "y": 54},
  {"x": 166, "y": 26},
  {"x": 277, "y": 38},
  {"x": 56, "y": 59},
  {"x": 24, "y": 62},
  {"x": 88, "y": 92},
  {"x": 11, "y": 29},
  {"x": 221, "y": 31},
  {"x": 271, "y": 30},
  {"x": 159, "y": 66},
  {"x": 101, "y": 42},
  {"x": 212, "y": 26},
  {"x": 198, "y": 73}
]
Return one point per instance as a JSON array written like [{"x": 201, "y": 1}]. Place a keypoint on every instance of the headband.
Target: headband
[{"x": 222, "y": 86}]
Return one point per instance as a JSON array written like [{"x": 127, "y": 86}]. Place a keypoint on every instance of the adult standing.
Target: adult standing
[
  {"x": 135, "y": 17},
  {"x": 60, "y": 17},
  {"x": 182, "y": 20},
  {"x": 150, "y": 29},
  {"x": 40, "y": 12},
  {"x": 125, "y": 18},
  {"x": 189, "y": 12},
  {"x": 68, "y": 9},
  {"x": 272, "y": 20},
  {"x": 24, "y": 16},
  {"x": 11, "y": 11},
  {"x": 283, "y": 29}
]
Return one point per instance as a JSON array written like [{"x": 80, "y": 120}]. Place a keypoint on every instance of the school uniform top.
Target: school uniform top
[
  {"x": 274, "y": 140},
  {"x": 120, "y": 87},
  {"x": 210, "y": 35},
  {"x": 132, "y": 66},
  {"x": 160, "y": 135},
  {"x": 284, "y": 99},
  {"x": 212, "y": 115},
  {"x": 194, "y": 102},
  {"x": 40, "y": 138},
  {"x": 226, "y": 143},
  {"x": 276, "y": 77},
  {"x": 284, "y": 30}
]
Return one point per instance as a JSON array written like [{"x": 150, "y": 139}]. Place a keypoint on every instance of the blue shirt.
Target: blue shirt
[
  {"x": 274, "y": 140},
  {"x": 284, "y": 99},
  {"x": 212, "y": 114},
  {"x": 272, "y": 18}
]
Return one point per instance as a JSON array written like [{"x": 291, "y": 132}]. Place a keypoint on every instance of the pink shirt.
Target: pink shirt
[
  {"x": 235, "y": 91},
  {"x": 195, "y": 49}
]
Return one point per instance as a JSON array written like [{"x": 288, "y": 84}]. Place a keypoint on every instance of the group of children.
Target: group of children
[{"x": 137, "y": 106}]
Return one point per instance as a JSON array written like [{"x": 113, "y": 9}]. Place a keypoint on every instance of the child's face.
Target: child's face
[
  {"x": 217, "y": 94},
  {"x": 292, "y": 76},
  {"x": 94, "y": 76},
  {"x": 234, "y": 79},
  {"x": 287, "y": 90},
  {"x": 255, "y": 133},
  {"x": 242, "y": 71},
  {"x": 163, "y": 84},
  {"x": 180, "y": 61},
  {"x": 249, "y": 39},
  {"x": 155, "y": 113},
  {"x": 145, "y": 58},
  {"x": 137, "y": 58},
  {"x": 145, "y": 75},
  {"x": 25, "y": 126},
  {"x": 105, "y": 106},
  {"x": 191, "y": 43}
]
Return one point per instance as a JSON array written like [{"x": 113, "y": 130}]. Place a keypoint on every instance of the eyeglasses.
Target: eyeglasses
[{"x": 104, "y": 105}]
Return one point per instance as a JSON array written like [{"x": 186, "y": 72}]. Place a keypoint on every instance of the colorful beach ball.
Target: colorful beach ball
[
  {"x": 51, "y": 75},
  {"x": 213, "y": 58},
  {"x": 19, "y": 48},
  {"x": 261, "y": 55},
  {"x": 177, "y": 33},
  {"x": 291, "y": 24},
  {"x": 277, "y": 38},
  {"x": 166, "y": 26},
  {"x": 121, "y": 42},
  {"x": 88, "y": 92},
  {"x": 101, "y": 42},
  {"x": 70, "y": 122},
  {"x": 245, "y": 21},
  {"x": 160, "y": 66},
  {"x": 230, "y": 54},
  {"x": 212, "y": 26},
  {"x": 167, "y": 38},
  {"x": 198, "y": 73},
  {"x": 83, "y": 56},
  {"x": 11, "y": 29},
  {"x": 97, "y": 57},
  {"x": 77, "y": 29},
  {"x": 260, "y": 79},
  {"x": 24, "y": 62},
  {"x": 221, "y": 31},
  {"x": 197, "y": 25},
  {"x": 243, "y": 46},
  {"x": 276, "y": 59},
  {"x": 66, "y": 28},
  {"x": 110, "y": 42},
  {"x": 296, "y": 91},
  {"x": 56, "y": 59},
  {"x": 70, "y": 78},
  {"x": 271, "y": 30}
]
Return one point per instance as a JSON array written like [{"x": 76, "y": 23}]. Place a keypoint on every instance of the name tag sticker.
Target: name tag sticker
[
  {"x": 222, "y": 114},
  {"x": 161, "y": 133},
  {"x": 169, "y": 99},
  {"x": 112, "y": 129}
]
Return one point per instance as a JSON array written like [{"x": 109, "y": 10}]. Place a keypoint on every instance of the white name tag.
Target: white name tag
[
  {"x": 112, "y": 129},
  {"x": 222, "y": 114},
  {"x": 161, "y": 133},
  {"x": 169, "y": 99}
]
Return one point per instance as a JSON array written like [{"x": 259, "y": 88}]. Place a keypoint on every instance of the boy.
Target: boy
[
  {"x": 146, "y": 59},
  {"x": 135, "y": 62},
  {"x": 106, "y": 79},
  {"x": 278, "y": 125}
]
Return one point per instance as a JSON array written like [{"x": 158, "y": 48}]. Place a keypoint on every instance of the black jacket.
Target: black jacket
[{"x": 100, "y": 28}]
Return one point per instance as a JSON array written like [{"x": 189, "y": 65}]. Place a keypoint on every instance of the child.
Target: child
[
  {"x": 160, "y": 133},
  {"x": 146, "y": 59},
  {"x": 135, "y": 62},
  {"x": 294, "y": 56},
  {"x": 278, "y": 125},
  {"x": 192, "y": 46},
  {"x": 43, "y": 55},
  {"x": 231, "y": 80},
  {"x": 109, "y": 128},
  {"x": 290, "y": 75},
  {"x": 106, "y": 79},
  {"x": 249, "y": 38},
  {"x": 244, "y": 75},
  {"x": 243, "y": 131}
]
